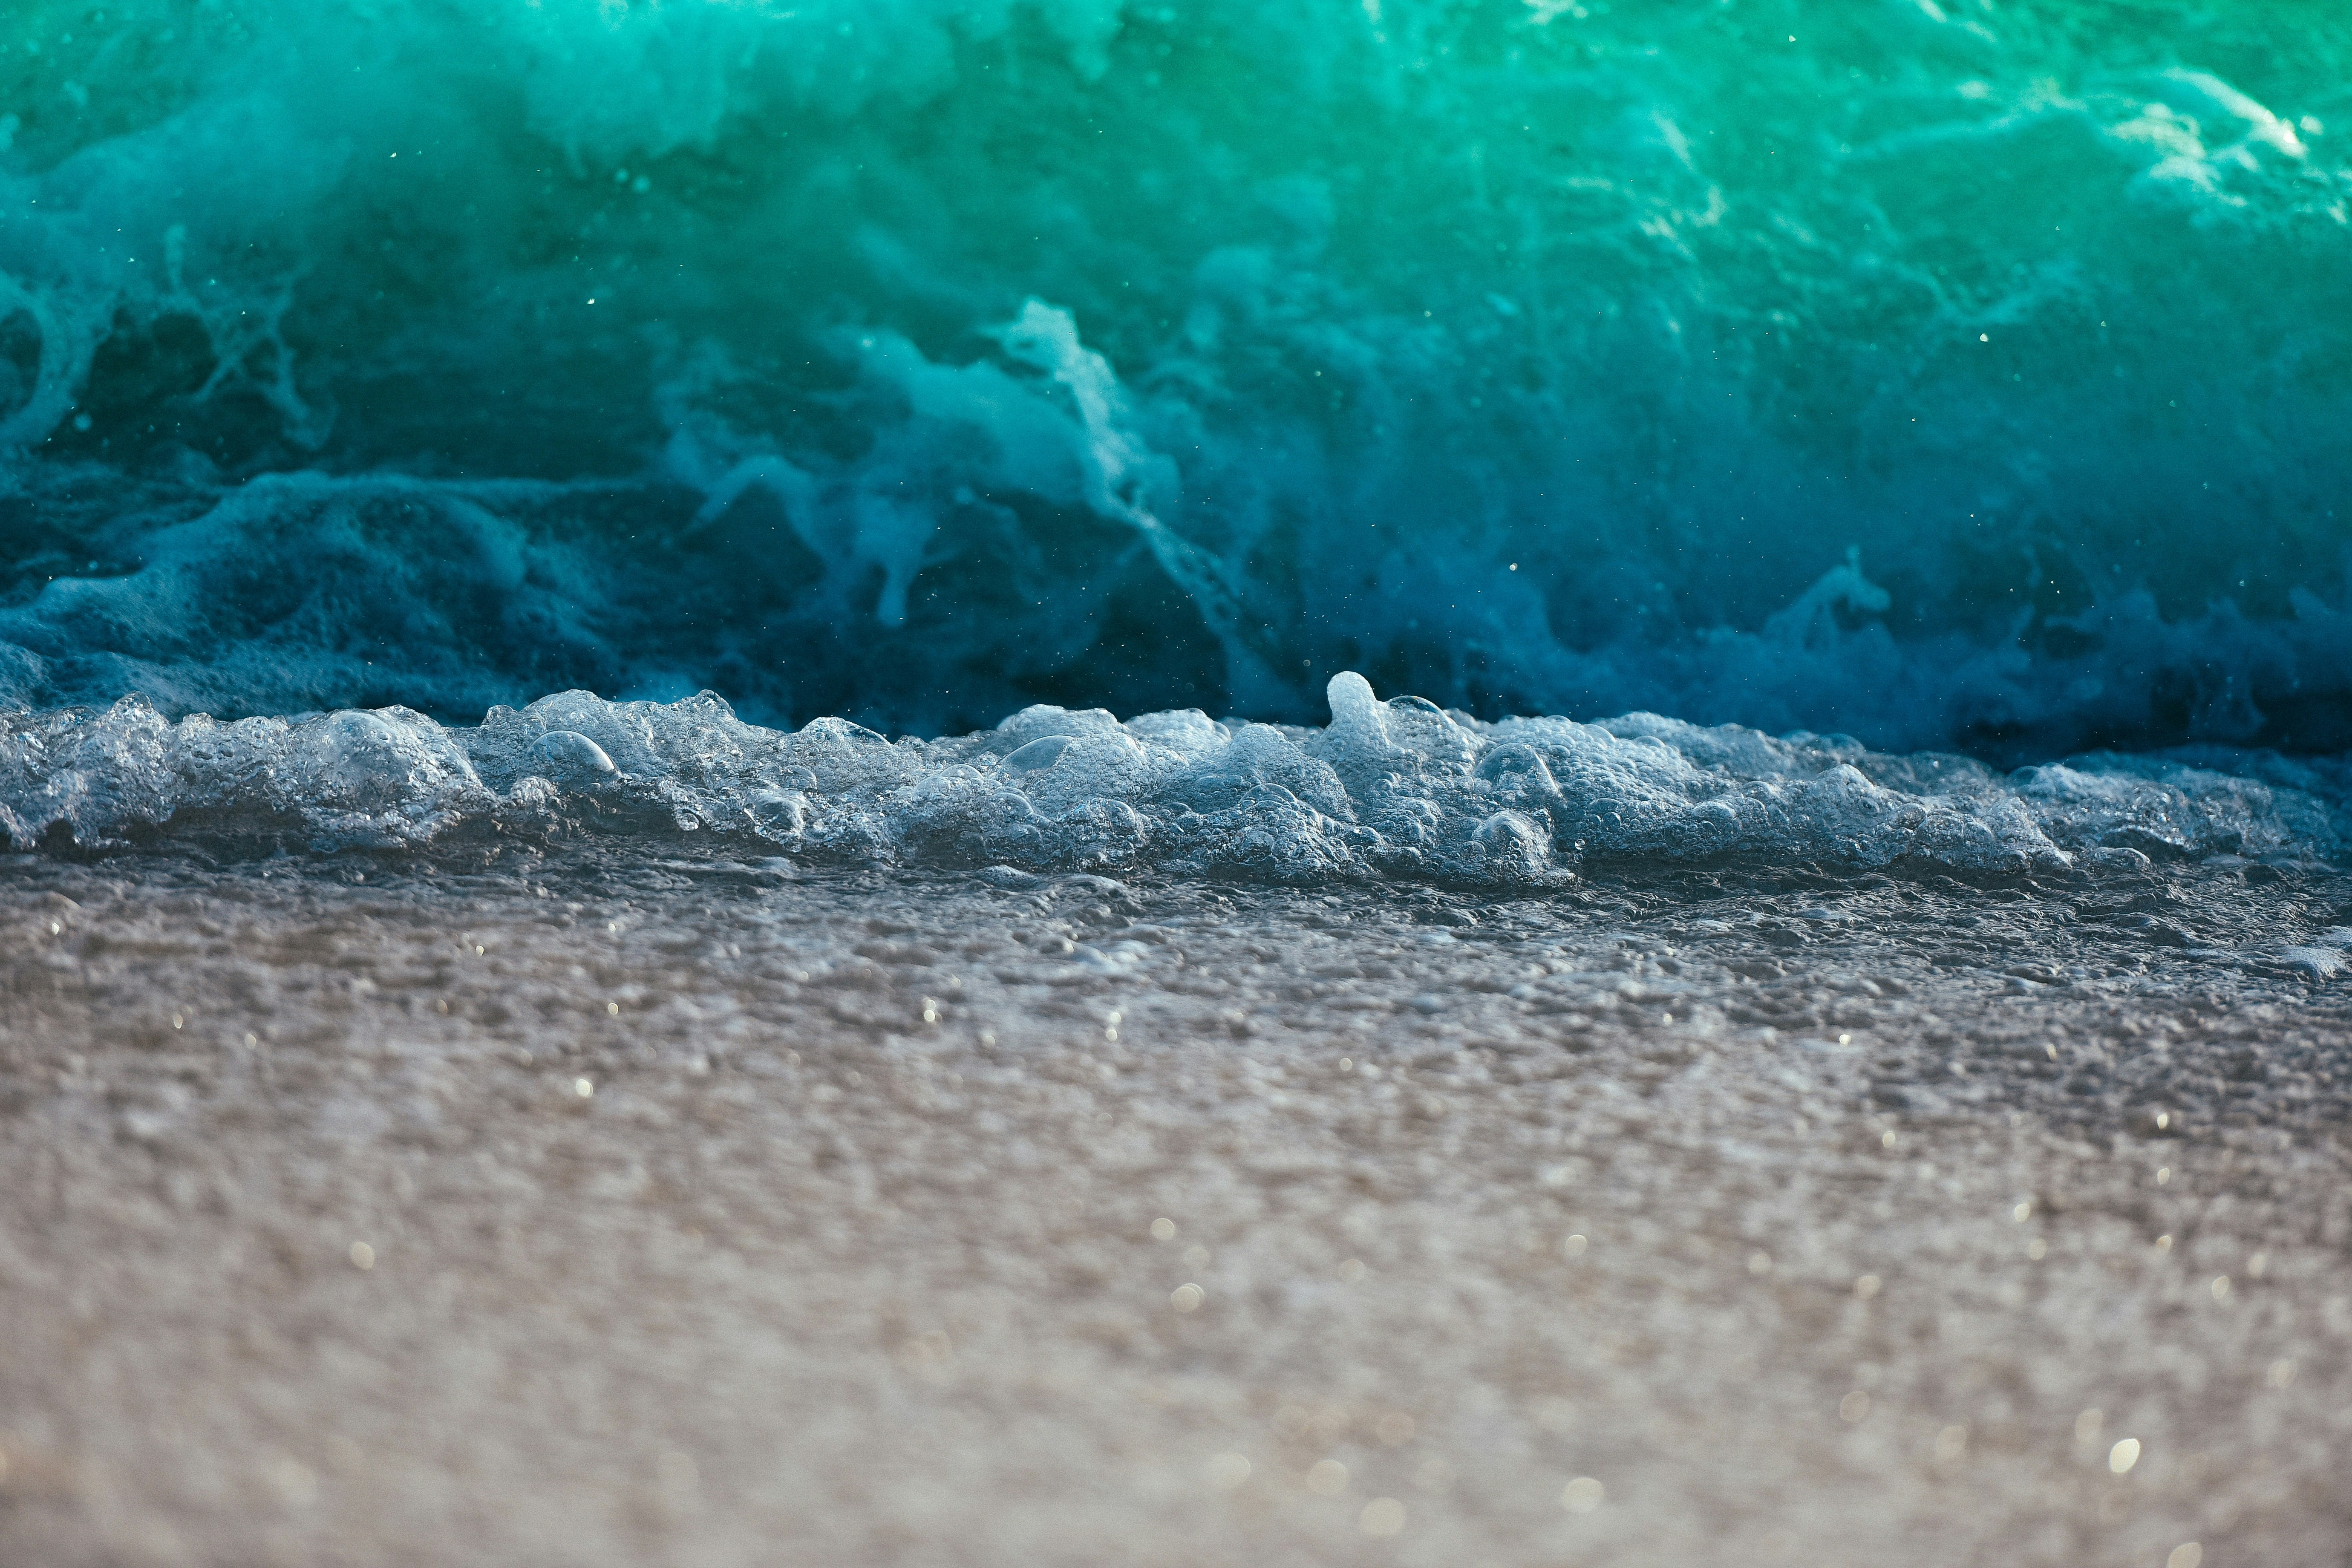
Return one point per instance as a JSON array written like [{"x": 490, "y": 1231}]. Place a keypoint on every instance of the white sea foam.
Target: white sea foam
[{"x": 1395, "y": 788}]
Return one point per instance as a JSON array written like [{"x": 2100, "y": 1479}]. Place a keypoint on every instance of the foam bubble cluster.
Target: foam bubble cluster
[{"x": 1400, "y": 788}]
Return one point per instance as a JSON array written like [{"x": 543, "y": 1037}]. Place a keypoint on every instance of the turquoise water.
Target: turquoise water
[{"x": 1948, "y": 373}]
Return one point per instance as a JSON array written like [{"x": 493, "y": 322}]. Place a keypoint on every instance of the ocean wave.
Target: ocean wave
[{"x": 1951, "y": 379}]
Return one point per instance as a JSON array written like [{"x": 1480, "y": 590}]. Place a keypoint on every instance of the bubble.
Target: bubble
[
  {"x": 1038, "y": 755},
  {"x": 567, "y": 753}
]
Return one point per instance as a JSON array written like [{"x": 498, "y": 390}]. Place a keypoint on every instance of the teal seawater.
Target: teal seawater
[{"x": 1948, "y": 372}]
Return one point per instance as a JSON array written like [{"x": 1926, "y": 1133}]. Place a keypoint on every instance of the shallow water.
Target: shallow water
[{"x": 713, "y": 1207}]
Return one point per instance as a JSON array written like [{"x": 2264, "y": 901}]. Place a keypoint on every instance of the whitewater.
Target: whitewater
[
  {"x": 1400, "y": 789},
  {"x": 1326, "y": 782}
]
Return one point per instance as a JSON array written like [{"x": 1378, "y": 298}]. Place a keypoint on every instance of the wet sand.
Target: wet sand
[{"x": 593, "y": 1211}]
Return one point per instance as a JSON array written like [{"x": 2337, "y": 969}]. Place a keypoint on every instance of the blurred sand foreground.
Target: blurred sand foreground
[{"x": 706, "y": 1212}]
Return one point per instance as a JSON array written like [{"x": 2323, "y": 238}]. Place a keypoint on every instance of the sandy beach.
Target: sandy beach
[{"x": 568, "y": 1210}]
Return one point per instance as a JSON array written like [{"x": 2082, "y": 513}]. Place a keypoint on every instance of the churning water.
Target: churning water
[{"x": 1947, "y": 374}]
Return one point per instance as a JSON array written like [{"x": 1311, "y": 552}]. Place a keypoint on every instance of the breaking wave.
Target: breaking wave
[{"x": 1952, "y": 375}]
